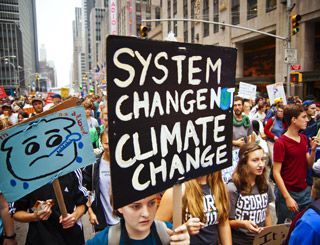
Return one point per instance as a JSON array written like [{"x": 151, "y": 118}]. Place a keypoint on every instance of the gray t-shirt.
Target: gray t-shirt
[
  {"x": 248, "y": 207},
  {"x": 105, "y": 191},
  {"x": 208, "y": 234},
  {"x": 240, "y": 132}
]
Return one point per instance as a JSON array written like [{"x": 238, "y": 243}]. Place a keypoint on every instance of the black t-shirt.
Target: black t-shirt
[{"x": 50, "y": 232}]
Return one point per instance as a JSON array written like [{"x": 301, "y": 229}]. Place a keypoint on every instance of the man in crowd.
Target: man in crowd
[
  {"x": 37, "y": 104},
  {"x": 291, "y": 160},
  {"x": 310, "y": 108},
  {"x": 242, "y": 128},
  {"x": 56, "y": 99}
]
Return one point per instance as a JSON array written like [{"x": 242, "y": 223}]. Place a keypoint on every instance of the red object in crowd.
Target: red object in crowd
[
  {"x": 3, "y": 93},
  {"x": 49, "y": 98}
]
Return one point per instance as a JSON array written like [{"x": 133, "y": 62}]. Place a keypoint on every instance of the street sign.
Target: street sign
[
  {"x": 290, "y": 55},
  {"x": 296, "y": 67}
]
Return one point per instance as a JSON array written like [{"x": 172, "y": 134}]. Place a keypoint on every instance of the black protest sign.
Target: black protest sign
[{"x": 170, "y": 113}]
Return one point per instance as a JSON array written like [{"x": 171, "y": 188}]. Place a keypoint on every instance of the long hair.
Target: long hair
[
  {"x": 193, "y": 198},
  {"x": 241, "y": 173}
]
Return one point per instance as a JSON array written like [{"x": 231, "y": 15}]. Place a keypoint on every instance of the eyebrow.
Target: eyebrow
[
  {"x": 52, "y": 131},
  {"x": 33, "y": 137}
]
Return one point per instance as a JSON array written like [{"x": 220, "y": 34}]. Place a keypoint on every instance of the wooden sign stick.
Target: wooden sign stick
[
  {"x": 59, "y": 196},
  {"x": 177, "y": 205}
]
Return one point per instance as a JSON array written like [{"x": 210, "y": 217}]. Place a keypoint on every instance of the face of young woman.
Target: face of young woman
[
  {"x": 256, "y": 162},
  {"x": 139, "y": 216},
  {"x": 105, "y": 142}
]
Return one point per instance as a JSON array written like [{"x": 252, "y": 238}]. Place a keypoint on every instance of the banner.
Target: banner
[
  {"x": 276, "y": 91},
  {"x": 247, "y": 90},
  {"x": 35, "y": 153},
  {"x": 170, "y": 113}
]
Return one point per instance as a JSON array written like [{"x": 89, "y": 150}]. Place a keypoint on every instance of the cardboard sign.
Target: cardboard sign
[
  {"x": 170, "y": 113},
  {"x": 272, "y": 235},
  {"x": 247, "y": 90},
  {"x": 40, "y": 150},
  {"x": 276, "y": 91},
  {"x": 65, "y": 92}
]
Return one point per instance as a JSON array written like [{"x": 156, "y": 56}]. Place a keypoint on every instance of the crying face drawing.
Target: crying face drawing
[{"x": 44, "y": 148}]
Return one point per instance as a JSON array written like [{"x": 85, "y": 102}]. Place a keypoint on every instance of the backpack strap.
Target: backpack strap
[
  {"x": 114, "y": 234},
  {"x": 162, "y": 232}
]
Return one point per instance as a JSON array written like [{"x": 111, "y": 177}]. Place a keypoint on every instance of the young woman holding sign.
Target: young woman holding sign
[
  {"x": 205, "y": 209},
  {"x": 139, "y": 227},
  {"x": 250, "y": 195}
]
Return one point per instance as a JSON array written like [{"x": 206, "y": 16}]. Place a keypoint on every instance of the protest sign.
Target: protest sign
[
  {"x": 43, "y": 148},
  {"x": 170, "y": 113},
  {"x": 3, "y": 93},
  {"x": 272, "y": 235},
  {"x": 276, "y": 91},
  {"x": 247, "y": 90}
]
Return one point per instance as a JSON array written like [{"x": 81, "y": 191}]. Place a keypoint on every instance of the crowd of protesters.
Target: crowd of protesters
[{"x": 277, "y": 161}]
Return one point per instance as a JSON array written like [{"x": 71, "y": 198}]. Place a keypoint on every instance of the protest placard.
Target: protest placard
[
  {"x": 272, "y": 235},
  {"x": 247, "y": 90},
  {"x": 43, "y": 148},
  {"x": 276, "y": 91},
  {"x": 170, "y": 113}
]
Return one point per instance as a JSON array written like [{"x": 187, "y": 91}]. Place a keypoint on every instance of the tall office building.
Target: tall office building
[
  {"x": 18, "y": 44},
  {"x": 77, "y": 50}
]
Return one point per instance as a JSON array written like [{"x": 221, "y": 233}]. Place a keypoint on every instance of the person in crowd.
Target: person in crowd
[
  {"x": 260, "y": 136},
  {"x": 7, "y": 112},
  {"x": 56, "y": 99},
  {"x": 205, "y": 209},
  {"x": 46, "y": 224},
  {"x": 260, "y": 113},
  {"x": 96, "y": 178},
  {"x": 37, "y": 104},
  {"x": 7, "y": 234},
  {"x": 92, "y": 122},
  {"x": 137, "y": 226},
  {"x": 274, "y": 128},
  {"x": 246, "y": 107},
  {"x": 258, "y": 102},
  {"x": 22, "y": 115},
  {"x": 96, "y": 132},
  {"x": 242, "y": 128},
  {"x": 307, "y": 228},
  {"x": 278, "y": 102},
  {"x": 291, "y": 159},
  {"x": 249, "y": 185},
  {"x": 312, "y": 127}
]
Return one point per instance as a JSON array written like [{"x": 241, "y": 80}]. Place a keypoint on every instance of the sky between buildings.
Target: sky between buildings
[{"x": 54, "y": 22}]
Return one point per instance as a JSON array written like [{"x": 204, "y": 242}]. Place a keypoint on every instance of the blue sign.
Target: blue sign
[{"x": 35, "y": 153}]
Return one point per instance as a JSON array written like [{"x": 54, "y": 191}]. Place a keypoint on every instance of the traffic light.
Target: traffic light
[
  {"x": 295, "y": 24},
  {"x": 143, "y": 31},
  {"x": 296, "y": 77}
]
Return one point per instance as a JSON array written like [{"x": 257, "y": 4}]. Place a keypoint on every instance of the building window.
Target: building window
[
  {"x": 205, "y": 14},
  {"x": 193, "y": 2},
  {"x": 158, "y": 16},
  {"x": 169, "y": 15},
  {"x": 271, "y": 5},
  {"x": 252, "y": 9},
  {"x": 185, "y": 23},
  {"x": 235, "y": 12},
  {"x": 216, "y": 15}
]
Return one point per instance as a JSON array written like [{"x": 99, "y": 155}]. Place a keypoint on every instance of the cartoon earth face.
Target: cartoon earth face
[{"x": 45, "y": 150}]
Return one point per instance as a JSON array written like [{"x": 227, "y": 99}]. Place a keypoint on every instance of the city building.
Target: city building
[
  {"x": 260, "y": 58},
  {"x": 18, "y": 45}
]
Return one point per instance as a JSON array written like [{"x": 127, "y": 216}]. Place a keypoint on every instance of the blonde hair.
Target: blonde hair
[{"x": 193, "y": 198}]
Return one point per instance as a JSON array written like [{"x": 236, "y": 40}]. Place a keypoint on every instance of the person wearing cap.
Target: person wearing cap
[
  {"x": 56, "y": 99},
  {"x": 37, "y": 104},
  {"x": 278, "y": 102},
  {"x": 7, "y": 112}
]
